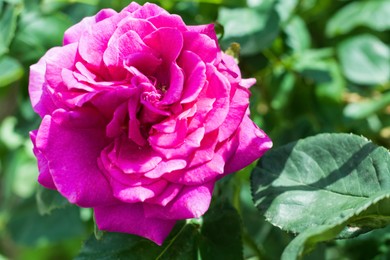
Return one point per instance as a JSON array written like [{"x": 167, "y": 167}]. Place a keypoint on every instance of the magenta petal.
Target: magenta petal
[
  {"x": 237, "y": 109},
  {"x": 134, "y": 194},
  {"x": 220, "y": 89},
  {"x": 175, "y": 88},
  {"x": 197, "y": 175},
  {"x": 166, "y": 167},
  {"x": 94, "y": 41},
  {"x": 207, "y": 29},
  {"x": 125, "y": 45},
  {"x": 191, "y": 202},
  {"x": 73, "y": 34},
  {"x": 195, "y": 71},
  {"x": 130, "y": 218},
  {"x": 44, "y": 177},
  {"x": 168, "y": 20},
  {"x": 40, "y": 98},
  {"x": 131, "y": 158},
  {"x": 163, "y": 37},
  {"x": 202, "y": 45},
  {"x": 148, "y": 10},
  {"x": 252, "y": 144},
  {"x": 57, "y": 59},
  {"x": 71, "y": 152},
  {"x": 167, "y": 195}
]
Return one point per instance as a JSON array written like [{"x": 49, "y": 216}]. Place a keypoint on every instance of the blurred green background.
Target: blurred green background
[{"x": 320, "y": 65}]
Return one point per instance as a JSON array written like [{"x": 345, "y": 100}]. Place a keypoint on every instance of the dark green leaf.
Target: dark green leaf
[
  {"x": 28, "y": 227},
  {"x": 179, "y": 245},
  {"x": 221, "y": 233},
  {"x": 253, "y": 29},
  {"x": 10, "y": 70},
  {"x": 322, "y": 185},
  {"x": 8, "y": 17},
  {"x": 365, "y": 59},
  {"x": 298, "y": 37},
  {"x": 364, "y": 109},
  {"x": 324, "y": 177},
  {"x": 48, "y": 200},
  {"x": 373, "y": 14},
  {"x": 38, "y": 32},
  {"x": 284, "y": 90},
  {"x": 306, "y": 241}
]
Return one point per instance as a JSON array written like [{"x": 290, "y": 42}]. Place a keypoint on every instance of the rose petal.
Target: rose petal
[
  {"x": 160, "y": 39},
  {"x": 207, "y": 29},
  {"x": 44, "y": 177},
  {"x": 220, "y": 89},
  {"x": 130, "y": 218},
  {"x": 252, "y": 144},
  {"x": 167, "y": 195},
  {"x": 237, "y": 109},
  {"x": 191, "y": 202},
  {"x": 57, "y": 59},
  {"x": 71, "y": 149},
  {"x": 202, "y": 173},
  {"x": 131, "y": 158},
  {"x": 175, "y": 89},
  {"x": 148, "y": 10},
  {"x": 73, "y": 34},
  {"x": 204, "y": 46},
  {"x": 94, "y": 41},
  {"x": 195, "y": 71},
  {"x": 40, "y": 98},
  {"x": 133, "y": 194},
  {"x": 168, "y": 20},
  {"x": 192, "y": 142}
]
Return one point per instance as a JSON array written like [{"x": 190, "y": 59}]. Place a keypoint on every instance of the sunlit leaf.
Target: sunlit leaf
[
  {"x": 318, "y": 183},
  {"x": 10, "y": 70},
  {"x": 373, "y": 14},
  {"x": 48, "y": 200},
  {"x": 365, "y": 59},
  {"x": 38, "y": 32},
  {"x": 253, "y": 29},
  {"x": 28, "y": 227},
  {"x": 298, "y": 37},
  {"x": 8, "y": 19},
  {"x": 364, "y": 109}
]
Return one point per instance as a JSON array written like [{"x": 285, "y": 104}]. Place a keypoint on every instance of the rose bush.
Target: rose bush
[{"x": 141, "y": 115}]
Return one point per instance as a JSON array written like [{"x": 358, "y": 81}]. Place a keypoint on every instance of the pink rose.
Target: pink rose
[{"x": 141, "y": 115}]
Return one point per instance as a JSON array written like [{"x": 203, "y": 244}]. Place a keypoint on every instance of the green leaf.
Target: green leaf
[
  {"x": 221, "y": 233},
  {"x": 179, "y": 245},
  {"x": 8, "y": 19},
  {"x": 10, "y": 70},
  {"x": 306, "y": 241},
  {"x": 283, "y": 91},
  {"x": 28, "y": 227},
  {"x": 327, "y": 179},
  {"x": 48, "y": 200},
  {"x": 373, "y": 14},
  {"x": 216, "y": 236},
  {"x": 324, "y": 187},
  {"x": 298, "y": 37},
  {"x": 38, "y": 32},
  {"x": 285, "y": 9},
  {"x": 365, "y": 59},
  {"x": 253, "y": 29},
  {"x": 364, "y": 109}
]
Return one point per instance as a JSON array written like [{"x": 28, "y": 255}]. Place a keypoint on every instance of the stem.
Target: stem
[{"x": 171, "y": 242}]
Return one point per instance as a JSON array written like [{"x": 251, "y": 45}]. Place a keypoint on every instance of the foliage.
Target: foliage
[{"x": 321, "y": 67}]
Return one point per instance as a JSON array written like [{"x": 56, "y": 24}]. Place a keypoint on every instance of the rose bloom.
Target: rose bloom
[{"x": 141, "y": 115}]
